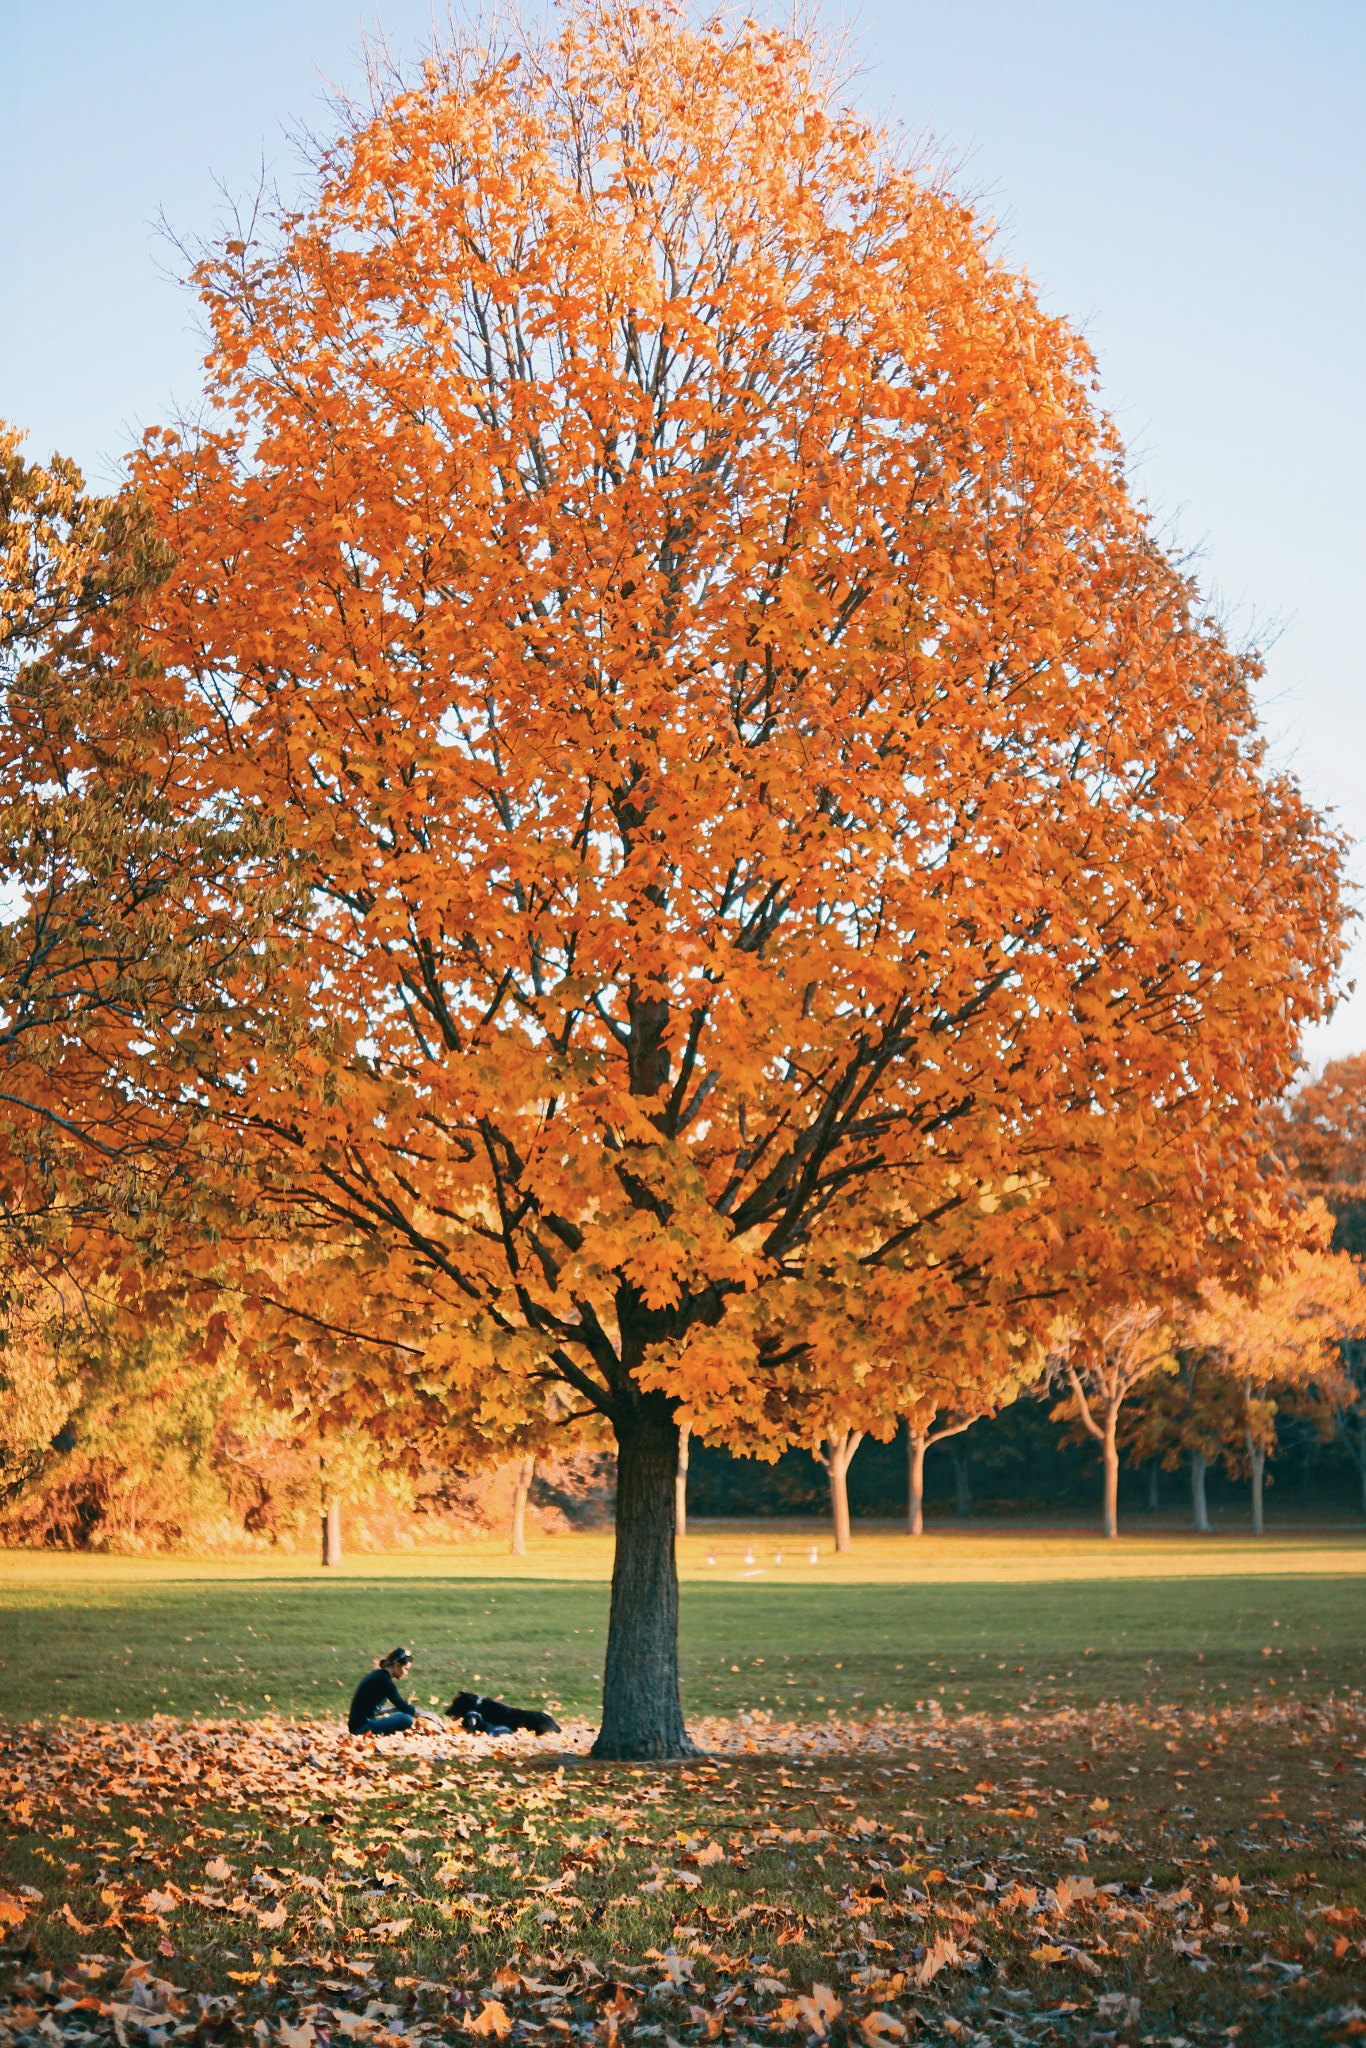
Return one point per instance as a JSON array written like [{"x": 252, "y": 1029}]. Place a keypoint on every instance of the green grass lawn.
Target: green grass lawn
[{"x": 985, "y": 1622}]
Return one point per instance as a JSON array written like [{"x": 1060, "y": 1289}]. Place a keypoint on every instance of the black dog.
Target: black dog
[{"x": 479, "y": 1716}]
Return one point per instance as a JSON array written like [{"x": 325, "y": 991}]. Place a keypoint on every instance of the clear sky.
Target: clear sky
[{"x": 1186, "y": 179}]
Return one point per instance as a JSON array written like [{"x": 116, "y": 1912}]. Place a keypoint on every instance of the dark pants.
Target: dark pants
[{"x": 387, "y": 1724}]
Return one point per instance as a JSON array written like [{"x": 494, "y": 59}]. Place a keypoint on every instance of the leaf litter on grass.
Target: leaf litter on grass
[{"x": 1059, "y": 1876}]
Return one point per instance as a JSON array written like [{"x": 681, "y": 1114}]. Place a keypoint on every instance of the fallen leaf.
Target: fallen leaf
[
  {"x": 814, "y": 2013},
  {"x": 276, "y": 1917},
  {"x": 219, "y": 1869},
  {"x": 353, "y": 2025},
  {"x": 12, "y": 1910},
  {"x": 492, "y": 2020},
  {"x": 943, "y": 1955},
  {"x": 880, "y": 2027},
  {"x": 302, "y": 2036},
  {"x": 713, "y": 1853}
]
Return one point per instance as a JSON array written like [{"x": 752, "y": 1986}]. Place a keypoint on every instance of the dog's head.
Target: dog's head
[{"x": 463, "y": 1703}]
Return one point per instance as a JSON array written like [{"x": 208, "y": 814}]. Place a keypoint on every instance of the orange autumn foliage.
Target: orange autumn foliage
[
  {"x": 128, "y": 891},
  {"x": 1290, "y": 1332},
  {"x": 796, "y": 891},
  {"x": 1321, "y": 1135},
  {"x": 1287, "y": 1338}
]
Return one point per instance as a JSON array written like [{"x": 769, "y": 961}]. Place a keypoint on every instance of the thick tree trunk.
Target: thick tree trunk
[
  {"x": 915, "y": 1510},
  {"x": 1110, "y": 1463},
  {"x": 962, "y": 1504},
  {"x": 642, "y": 1713},
  {"x": 331, "y": 1533},
  {"x": 525, "y": 1473},
  {"x": 681, "y": 1481},
  {"x": 1154, "y": 1499},
  {"x": 1361, "y": 1455},
  {"x": 1199, "y": 1512},
  {"x": 1256, "y": 1457}
]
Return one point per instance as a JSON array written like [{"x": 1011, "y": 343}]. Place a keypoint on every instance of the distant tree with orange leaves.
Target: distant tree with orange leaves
[
  {"x": 1285, "y": 1342},
  {"x": 795, "y": 889},
  {"x": 1321, "y": 1135}
]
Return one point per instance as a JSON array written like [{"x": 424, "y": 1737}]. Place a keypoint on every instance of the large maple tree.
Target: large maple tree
[{"x": 795, "y": 886}]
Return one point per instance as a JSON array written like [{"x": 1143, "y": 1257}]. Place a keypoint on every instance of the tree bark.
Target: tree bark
[
  {"x": 1199, "y": 1511},
  {"x": 1110, "y": 1462},
  {"x": 681, "y": 1481},
  {"x": 1256, "y": 1457},
  {"x": 962, "y": 1505},
  {"x": 915, "y": 1509},
  {"x": 525, "y": 1473},
  {"x": 837, "y": 1458},
  {"x": 642, "y": 1712},
  {"x": 331, "y": 1533}
]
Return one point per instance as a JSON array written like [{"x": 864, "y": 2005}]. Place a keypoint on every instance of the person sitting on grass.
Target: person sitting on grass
[{"x": 378, "y": 1690}]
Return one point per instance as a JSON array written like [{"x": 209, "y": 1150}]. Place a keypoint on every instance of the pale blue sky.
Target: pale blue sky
[{"x": 1186, "y": 182}]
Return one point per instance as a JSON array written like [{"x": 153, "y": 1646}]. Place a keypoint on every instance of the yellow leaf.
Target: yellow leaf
[{"x": 945, "y": 1954}]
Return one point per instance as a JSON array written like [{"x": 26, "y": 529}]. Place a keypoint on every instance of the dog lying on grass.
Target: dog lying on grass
[{"x": 480, "y": 1716}]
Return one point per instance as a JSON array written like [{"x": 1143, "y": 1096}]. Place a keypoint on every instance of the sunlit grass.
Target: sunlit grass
[{"x": 988, "y": 1620}]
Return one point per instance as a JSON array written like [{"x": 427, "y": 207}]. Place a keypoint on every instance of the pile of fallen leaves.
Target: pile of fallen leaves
[{"x": 1112, "y": 1875}]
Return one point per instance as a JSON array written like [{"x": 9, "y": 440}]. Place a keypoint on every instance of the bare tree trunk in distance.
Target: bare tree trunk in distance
[
  {"x": 962, "y": 1504},
  {"x": 837, "y": 1456},
  {"x": 1154, "y": 1499},
  {"x": 1110, "y": 1460},
  {"x": 1256, "y": 1457},
  {"x": 681, "y": 1480},
  {"x": 916, "y": 1440},
  {"x": 1351, "y": 1428},
  {"x": 1104, "y": 1434},
  {"x": 642, "y": 1712},
  {"x": 1199, "y": 1512},
  {"x": 331, "y": 1533},
  {"x": 525, "y": 1473}
]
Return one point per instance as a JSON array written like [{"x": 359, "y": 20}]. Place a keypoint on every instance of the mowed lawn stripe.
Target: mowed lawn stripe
[{"x": 110, "y": 1642}]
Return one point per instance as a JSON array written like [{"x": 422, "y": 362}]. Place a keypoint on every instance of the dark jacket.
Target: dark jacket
[{"x": 375, "y": 1691}]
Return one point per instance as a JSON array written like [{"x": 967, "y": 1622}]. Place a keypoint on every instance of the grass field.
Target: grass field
[
  {"x": 986, "y": 1790},
  {"x": 982, "y": 1622}
]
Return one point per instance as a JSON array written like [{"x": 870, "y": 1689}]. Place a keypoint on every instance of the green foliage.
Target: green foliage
[{"x": 162, "y": 1447}]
